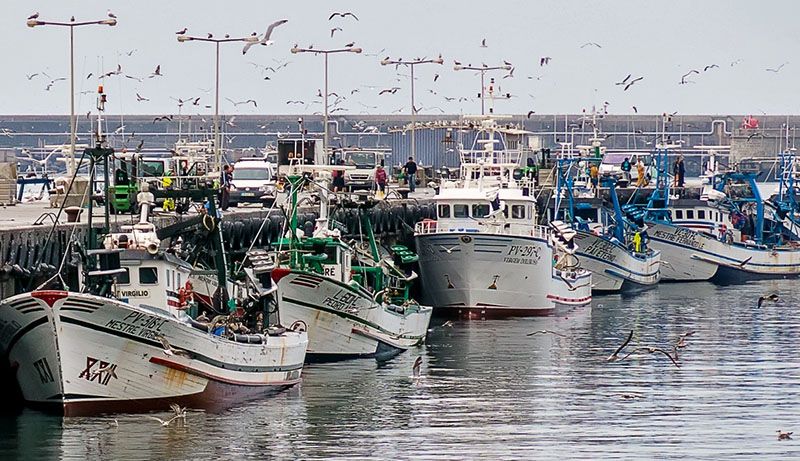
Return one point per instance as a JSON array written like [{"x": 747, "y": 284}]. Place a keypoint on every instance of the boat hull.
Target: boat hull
[
  {"x": 344, "y": 322},
  {"x": 79, "y": 354},
  {"x": 479, "y": 275},
  {"x": 614, "y": 268},
  {"x": 697, "y": 256}
]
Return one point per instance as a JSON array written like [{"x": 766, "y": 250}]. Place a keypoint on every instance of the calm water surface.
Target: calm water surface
[{"x": 490, "y": 391}]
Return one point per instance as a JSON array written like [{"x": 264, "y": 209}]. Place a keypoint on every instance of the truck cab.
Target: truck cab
[{"x": 366, "y": 163}]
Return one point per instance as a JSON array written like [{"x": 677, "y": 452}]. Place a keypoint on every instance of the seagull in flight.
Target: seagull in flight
[
  {"x": 615, "y": 356},
  {"x": 334, "y": 30},
  {"x": 546, "y": 332},
  {"x": 168, "y": 349},
  {"x": 630, "y": 84},
  {"x": 591, "y": 44},
  {"x": 392, "y": 90},
  {"x": 483, "y": 43},
  {"x": 778, "y": 69},
  {"x": 683, "y": 77},
  {"x": 164, "y": 423},
  {"x": 141, "y": 98},
  {"x": 709, "y": 67},
  {"x": 157, "y": 72},
  {"x": 544, "y": 60},
  {"x": 415, "y": 369},
  {"x": 265, "y": 40},
  {"x": 237, "y": 103},
  {"x": 343, "y": 15}
]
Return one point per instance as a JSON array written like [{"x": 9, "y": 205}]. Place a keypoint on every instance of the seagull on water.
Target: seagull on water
[
  {"x": 770, "y": 297},
  {"x": 784, "y": 435}
]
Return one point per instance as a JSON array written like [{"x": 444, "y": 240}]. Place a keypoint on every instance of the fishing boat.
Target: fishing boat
[
  {"x": 126, "y": 337},
  {"x": 609, "y": 245},
  {"x": 728, "y": 235},
  {"x": 484, "y": 256},
  {"x": 351, "y": 306}
]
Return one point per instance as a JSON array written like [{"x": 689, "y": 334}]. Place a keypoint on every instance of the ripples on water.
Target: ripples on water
[{"x": 489, "y": 391}]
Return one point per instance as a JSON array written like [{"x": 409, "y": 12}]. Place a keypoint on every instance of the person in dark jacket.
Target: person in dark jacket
[{"x": 410, "y": 170}]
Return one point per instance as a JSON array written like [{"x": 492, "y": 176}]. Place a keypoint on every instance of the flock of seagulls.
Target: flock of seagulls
[{"x": 338, "y": 28}]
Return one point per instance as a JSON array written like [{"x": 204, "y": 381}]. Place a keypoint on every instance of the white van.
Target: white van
[{"x": 253, "y": 182}]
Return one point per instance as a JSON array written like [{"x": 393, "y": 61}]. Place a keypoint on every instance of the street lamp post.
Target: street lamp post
[
  {"x": 217, "y": 42},
  {"x": 483, "y": 71},
  {"x": 349, "y": 49},
  {"x": 72, "y": 24},
  {"x": 411, "y": 65}
]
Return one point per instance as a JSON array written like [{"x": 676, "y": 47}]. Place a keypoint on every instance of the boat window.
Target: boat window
[
  {"x": 444, "y": 211},
  {"x": 480, "y": 210},
  {"x": 505, "y": 211},
  {"x": 179, "y": 281},
  {"x": 679, "y": 214},
  {"x": 689, "y": 214},
  {"x": 701, "y": 214},
  {"x": 460, "y": 211},
  {"x": 124, "y": 278},
  {"x": 518, "y": 211},
  {"x": 148, "y": 275}
]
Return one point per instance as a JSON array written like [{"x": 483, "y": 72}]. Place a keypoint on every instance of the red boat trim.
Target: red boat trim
[
  {"x": 569, "y": 300},
  {"x": 194, "y": 371}
]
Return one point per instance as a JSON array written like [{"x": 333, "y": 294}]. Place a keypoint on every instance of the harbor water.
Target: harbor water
[{"x": 489, "y": 391}]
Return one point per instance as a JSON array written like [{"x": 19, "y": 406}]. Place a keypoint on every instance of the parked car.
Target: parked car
[{"x": 253, "y": 182}]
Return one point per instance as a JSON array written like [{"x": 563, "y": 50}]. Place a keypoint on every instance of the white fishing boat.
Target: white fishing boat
[
  {"x": 350, "y": 307},
  {"x": 124, "y": 340},
  {"x": 483, "y": 256},
  {"x": 610, "y": 246},
  {"x": 729, "y": 235}
]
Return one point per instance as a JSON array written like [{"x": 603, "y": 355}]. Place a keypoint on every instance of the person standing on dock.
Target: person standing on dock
[
  {"x": 626, "y": 169},
  {"x": 641, "y": 178},
  {"x": 410, "y": 170},
  {"x": 380, "y": 180},
  {"x": 338, "y": 178},
  {"x": 227, "y": 178}
]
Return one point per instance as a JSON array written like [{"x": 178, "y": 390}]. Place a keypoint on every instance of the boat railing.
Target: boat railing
[{"x": 430, "y": 226}]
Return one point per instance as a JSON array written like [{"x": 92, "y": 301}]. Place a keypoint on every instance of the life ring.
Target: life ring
[{"x": 299, "y": 326}]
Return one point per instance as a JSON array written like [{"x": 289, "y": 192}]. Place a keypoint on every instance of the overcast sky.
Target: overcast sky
[{"x": 659, "y": 41}]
